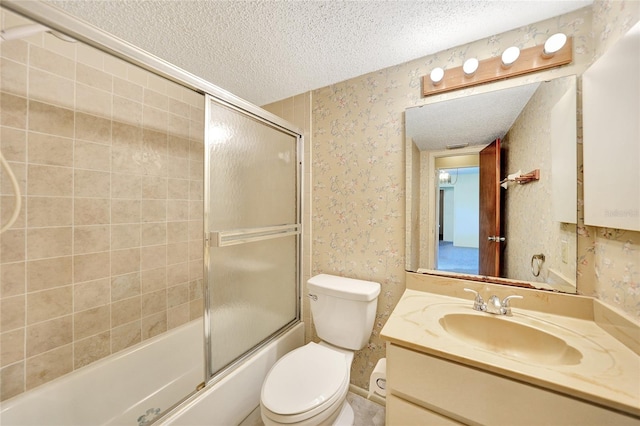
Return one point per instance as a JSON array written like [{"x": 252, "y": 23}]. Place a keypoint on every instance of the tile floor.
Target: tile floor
[{"x": 367, "y": 413}]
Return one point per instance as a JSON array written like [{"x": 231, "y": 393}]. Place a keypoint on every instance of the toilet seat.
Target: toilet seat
[{"x": 304, "y": 383}]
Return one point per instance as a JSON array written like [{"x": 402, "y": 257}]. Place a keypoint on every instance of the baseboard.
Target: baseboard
[{"x": 363, "y": 393}]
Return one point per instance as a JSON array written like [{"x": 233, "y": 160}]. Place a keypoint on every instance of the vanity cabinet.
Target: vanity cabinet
[{"x": 427, "y": 390}]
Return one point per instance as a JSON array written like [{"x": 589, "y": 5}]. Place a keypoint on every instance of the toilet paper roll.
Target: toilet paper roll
[{"x": 378, "y": 379}]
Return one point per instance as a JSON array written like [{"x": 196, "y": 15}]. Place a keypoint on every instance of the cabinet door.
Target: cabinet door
[
  {"x": 403, "y": 413},
  {"x": 611, "y": 132}
]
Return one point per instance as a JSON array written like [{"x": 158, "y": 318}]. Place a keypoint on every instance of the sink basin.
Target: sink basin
[{"x": 510, "y": 338}]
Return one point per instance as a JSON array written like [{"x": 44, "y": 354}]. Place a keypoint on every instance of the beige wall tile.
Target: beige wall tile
[
  {"x": 129, "y": 90},
  {"x": 91, "y": 349},
  {"x": 154, "y": 279},
  {"x": 12, "y": 279},
  {"x": 177, "y": 210},
  {"x": 125, "y": 261},
  {"x": 49, "y": 335},
  {"x": 49, "y": 273},
  {"x": 156, "y": 99},
  {"x": 195, "y": 270},
  {"x": 94, "y": 77},
  {"x": 13, "y": 111},
  {"x": 178, "y": 189},
  {"x": 126, "y": 186},
  {"x": 13, "y": 77},
  {"x": 50, "y": 88},
  {"x": 16, "y": 50},
  {"x": 11, "y": 347},
  {"x": 153, "y": 303},
  {"x": 12, "y": 313},
  {"x": 89, "y": 267},
  {"x": 50, "y": 150},
  {"x": 178, "y": 126},
  {"x": 6, "y": 187},
  {"x": 196, "y": 309},
  {"x": 180, "y": 108},
  {"x": 48, "y": 366},
  {"x": 153, "y": 210},
  {"x": 89, "y": 183},
  {"x": 93, "y": 101},
  {"x": 13, "y": 143},
  {"x": 90, "y": 322},
  {"x": 153, "y": 257},
  {"x": 91, "y": 239},
  {"x": 91, "y": 211},
  {"x": 51, "y": 62},
  {"x": 92, "y": 156},
  {"x": 91, "y": 294},
  {"x": 154, "y": 233},
  {"x": 50, "y": 119},
  {"x": 196, "y": 210},
  {"x": 49, "y": 211},
  {"x": 196, "y": 190},
  {"x": 115, "y": 66},
  {"x": 61, "y": 47},
  {"x": 177, "y": 316},
  {"x": 12, "y": 245},
  {"x": 90, "y": 56},
  {"x": 125, "y": 211},
  {"x": 126, "y": 335},
  {"x": 178, "y": 168},
  {"x": 177, "y": 295},
  {"x": 177, "y": 274},
  {"x": 11, "y": 380},
  {"x": 177, "y": 146},
  {"x": 49, "y": 242},
  {"x": 137, "y": 75},
  {"x": 125, "y": 311},
  {"x": 177, "y": 232},
  {"x": 195, "y": 290},
  {"x": 177, "y": 253},
  {"x": 47, "y": 304},
  {"x": 154, "y": 325},
  {"x": 50, "y": 181},
  {"x": 93, "y": 128},
  {"x": 127, "y": 111},
  {"x": 125, "y": 286},
  {"x": 154, "y": 187},
  {"x": 125, "y": 236},
  {"x": 154, "y": 119}
]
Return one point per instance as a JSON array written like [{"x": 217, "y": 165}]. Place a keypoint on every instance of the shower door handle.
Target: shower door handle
[{"x": 248, "y": 235}]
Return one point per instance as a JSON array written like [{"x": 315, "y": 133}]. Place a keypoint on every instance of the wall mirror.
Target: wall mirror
[{"x": 491, "y": 186}]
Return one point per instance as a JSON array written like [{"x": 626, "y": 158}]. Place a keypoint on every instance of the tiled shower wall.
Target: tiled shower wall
[{"x": 107, "y": 250}]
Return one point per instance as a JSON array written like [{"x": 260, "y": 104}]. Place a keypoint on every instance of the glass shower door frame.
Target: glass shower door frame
[{"x": 215, "y": 238}]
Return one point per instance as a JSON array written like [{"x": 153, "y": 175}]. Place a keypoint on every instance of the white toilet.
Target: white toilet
[{"x": 309, "y": 385}]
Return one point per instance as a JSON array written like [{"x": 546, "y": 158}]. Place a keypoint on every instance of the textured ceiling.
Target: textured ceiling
[
  {"x": 264, "y": 51},
  {"x": 472, "y": 120}
]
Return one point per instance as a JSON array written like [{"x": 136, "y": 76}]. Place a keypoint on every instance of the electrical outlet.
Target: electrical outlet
[{"x": 564, "y": 251}]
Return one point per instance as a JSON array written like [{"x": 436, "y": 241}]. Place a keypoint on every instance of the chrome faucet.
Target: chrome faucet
[{"x": 494, "y": 306}]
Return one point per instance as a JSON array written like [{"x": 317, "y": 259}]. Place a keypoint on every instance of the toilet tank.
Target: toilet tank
[{"x": 343, "y": 309}]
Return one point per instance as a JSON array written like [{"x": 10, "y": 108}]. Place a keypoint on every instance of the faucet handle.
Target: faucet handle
[
  {"x": 478, "y": 301},
  {"x": 505, "y": 303}
]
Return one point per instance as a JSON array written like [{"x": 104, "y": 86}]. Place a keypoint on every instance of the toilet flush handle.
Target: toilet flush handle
[{"x": 313, "y": 297}]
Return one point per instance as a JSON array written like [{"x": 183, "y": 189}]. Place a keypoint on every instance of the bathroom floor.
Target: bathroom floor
[{"x": 367, "y": 413}]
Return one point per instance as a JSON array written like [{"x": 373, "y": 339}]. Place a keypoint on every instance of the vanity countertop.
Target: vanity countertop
[{"x": 608, "y": 372}]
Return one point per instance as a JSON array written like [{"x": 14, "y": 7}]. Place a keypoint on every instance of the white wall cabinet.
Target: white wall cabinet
[{"x": 611, "y": 136}]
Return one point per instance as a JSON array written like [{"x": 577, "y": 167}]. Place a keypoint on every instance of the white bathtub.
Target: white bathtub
[
  {"x": 119, "y": 389},
  {"x": 233, "y": 398}
]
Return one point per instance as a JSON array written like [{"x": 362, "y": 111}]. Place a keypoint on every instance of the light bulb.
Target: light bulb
[
  {"x": 470, "y": 67},
  {"x": 554, "y": 44},
  {"x": 509, "y": 56},
  {"x": 437, "y": 74}
]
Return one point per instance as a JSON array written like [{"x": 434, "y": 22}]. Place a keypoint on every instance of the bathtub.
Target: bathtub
[
  {"x": 232, "y": 399},
  {"x": 119, "y": 389}
]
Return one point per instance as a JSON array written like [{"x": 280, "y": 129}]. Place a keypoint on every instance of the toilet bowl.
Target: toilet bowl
[{"x": 309, "y": 385}]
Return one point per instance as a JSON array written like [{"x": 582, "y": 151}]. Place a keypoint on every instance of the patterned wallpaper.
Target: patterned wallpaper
[{"x": 358, "y": 194}]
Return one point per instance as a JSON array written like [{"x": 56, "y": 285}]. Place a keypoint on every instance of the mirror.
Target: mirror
[{"x": 519, "y": 146}]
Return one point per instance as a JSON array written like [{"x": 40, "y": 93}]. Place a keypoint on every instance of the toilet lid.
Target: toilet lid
[{"x": 304, "y": 379}]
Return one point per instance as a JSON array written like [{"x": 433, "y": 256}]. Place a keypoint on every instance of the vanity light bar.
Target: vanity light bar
[{"x": 529, "y": 60}]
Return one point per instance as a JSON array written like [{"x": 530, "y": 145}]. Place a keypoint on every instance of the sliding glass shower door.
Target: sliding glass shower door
[{"x": 252, "y": 230}]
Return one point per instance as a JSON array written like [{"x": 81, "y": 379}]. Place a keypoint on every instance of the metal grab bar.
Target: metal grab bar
[{"x": 248, "y": 235}]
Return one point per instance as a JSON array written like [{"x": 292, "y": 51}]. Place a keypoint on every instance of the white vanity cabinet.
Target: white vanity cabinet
[{"x": 427, "y": 390}]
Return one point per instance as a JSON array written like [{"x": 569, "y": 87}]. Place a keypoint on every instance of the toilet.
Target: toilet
[{"x": 309, "y": 385}]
